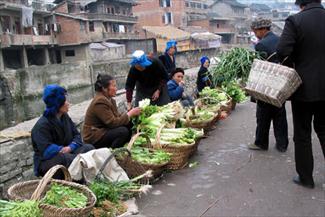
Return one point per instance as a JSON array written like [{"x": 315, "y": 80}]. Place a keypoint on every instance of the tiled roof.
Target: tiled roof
[{"x": 168, "y": 32}]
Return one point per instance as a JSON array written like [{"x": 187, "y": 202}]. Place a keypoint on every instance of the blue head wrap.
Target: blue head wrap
[
  {"x": 203, "y": 59},
  {"x": 54, "y": 98},
  {"x": 140, "y": 58},
  {"x": 170, "y": 44}
]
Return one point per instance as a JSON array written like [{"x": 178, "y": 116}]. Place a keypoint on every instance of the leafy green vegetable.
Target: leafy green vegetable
[
  {"x": 213, "y": 96},
  {"x": 27, "y": 208},
  {"x": 234, "y": 91},
  {"x": 113, "y": 191},
  {"x": 234, "y": 64},
  {"x": 144, "y": 155},
  {"x": 65, "y": 197}
]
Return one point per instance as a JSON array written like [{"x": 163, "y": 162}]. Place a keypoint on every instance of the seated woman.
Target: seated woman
[
  {"x": 176, "y": 88},
  {"x": 203, "y": 78},
  {"x": 56, "y": 141},
  {"x": 104, "y": 126}
]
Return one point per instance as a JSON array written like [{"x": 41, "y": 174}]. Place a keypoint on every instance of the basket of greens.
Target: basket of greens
[
  {"x": 59, "y": 198},
  {"x": 142, "y": 157},
  {"x": 200, "y": 118},
  {"x": 181, "y": 143}
]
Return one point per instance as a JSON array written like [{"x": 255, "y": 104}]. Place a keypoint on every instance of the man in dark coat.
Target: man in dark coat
[
  {"x": 303, "y": 40},
  {"x": 168, "y": 58},
  {"x": 265, "y": 113},
  {"x": 150, "y": 79}
]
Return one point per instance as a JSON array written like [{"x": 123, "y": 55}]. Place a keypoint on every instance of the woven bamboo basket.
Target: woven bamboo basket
[
  {"x": 134, "y": 168},
  {"x": 180, "y": 153},
  {"x": 272, "y": 83},
  {"x": 36, "y": 189},
  {"x": 206, "y": 125}
]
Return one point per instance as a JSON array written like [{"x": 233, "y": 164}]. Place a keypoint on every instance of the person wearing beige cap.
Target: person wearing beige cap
[{"x": 267, "y": 113}]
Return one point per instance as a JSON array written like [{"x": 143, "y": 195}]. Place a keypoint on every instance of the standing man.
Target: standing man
[
  {"x": 265, "y": 113},
  {"x": 150, "y": 79},
  {"x": 168, "y": 58},
  {"x": 303, "y": 40}
]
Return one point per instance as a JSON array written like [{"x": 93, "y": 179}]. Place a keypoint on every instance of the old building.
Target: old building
[
  {"x": 160, "y": 13},
  {"x": 223, "y": 26}
]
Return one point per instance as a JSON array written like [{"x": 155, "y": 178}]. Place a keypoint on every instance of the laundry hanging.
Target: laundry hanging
[{"x": 27, "y": 17}]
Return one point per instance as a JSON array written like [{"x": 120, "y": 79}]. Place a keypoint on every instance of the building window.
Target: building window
[
  {"x": 168, "y": 18},
  {"x": 205, "y": 6},
  {"x": 165, "y": 3},
  {"x": 187, "y": 4},
  {"x": 82, "y": 26},
  {"x": 108, "y": 10},
  {"x": 112, "y": 11},
  {"x": 192, "y": 5},
  {"x": 218, "y": 25},
  {"x": 91, "y": 26},
  {"x": 117, "y": 10},
  {"x": 198, "y": 5},
  {"x": 70, "y": 53}
]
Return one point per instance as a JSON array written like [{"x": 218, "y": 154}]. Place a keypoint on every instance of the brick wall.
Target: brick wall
[{"x": 150, "y": 13}]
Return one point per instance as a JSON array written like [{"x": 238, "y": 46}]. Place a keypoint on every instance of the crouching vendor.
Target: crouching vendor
[{"x": 55, "y": 138}]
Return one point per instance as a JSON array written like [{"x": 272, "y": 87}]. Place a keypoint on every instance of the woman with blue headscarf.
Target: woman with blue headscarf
[
  {"x": 203, "y": 79},
  {"x": 55, "y": 138},
  {"x": 150, "y": 79},
  {"x": 168, "y": 58}
]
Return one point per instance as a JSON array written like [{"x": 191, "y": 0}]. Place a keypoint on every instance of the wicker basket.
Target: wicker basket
[
  {"x": 36, "y": 189},
  {"x": 180, "y": 153},
  {"x": 272, "y": 83},
  {"x": 206, "y": 125},
  {"x": 134, "y": 168}
]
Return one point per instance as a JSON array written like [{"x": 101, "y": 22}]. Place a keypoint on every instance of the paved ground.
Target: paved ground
[{"x": 231, "y": 180}]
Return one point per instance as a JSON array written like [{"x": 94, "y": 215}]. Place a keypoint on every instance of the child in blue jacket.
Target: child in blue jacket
[{"x": 176, "y": 88}]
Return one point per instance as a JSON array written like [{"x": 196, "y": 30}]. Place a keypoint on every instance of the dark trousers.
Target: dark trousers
[
  {"x": 265, "y": 113},
  {"x": 62, "y": 159},
  {"x": 114, "y": 138},
  {"x": 304, "y": 113}
]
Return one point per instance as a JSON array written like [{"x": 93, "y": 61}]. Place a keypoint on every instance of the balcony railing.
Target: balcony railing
[
  {"x": 18, "y": 40},
  {"x": 118, "y": 35},
  {"x": 112, "y": 17}
]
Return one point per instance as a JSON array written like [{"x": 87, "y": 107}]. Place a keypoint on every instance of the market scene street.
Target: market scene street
[
  {"x": 231, "y": 180},
  {"x": 162, "y": 108}
]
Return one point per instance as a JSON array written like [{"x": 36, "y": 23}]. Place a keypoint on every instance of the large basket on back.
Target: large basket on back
[
  {"x": 180, "y": 153},
  {"x": 134, "y": 168},
  {"x": 272, "y": 83},
  {"x": 36, "y": 189}
]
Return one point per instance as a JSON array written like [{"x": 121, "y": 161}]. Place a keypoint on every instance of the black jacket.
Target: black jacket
[
  {"x": 303, "y": 40},
  {"x": 169, "y": 64},
  {"x": 267, "y": 46}
]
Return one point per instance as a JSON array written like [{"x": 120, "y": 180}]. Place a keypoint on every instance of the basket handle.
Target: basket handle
[
  {"x": 134, "y": 138},
  {"x": 285, "y": 59},
  {"x": 157, "y": 140},
  {"x": 47, "y": 178}
]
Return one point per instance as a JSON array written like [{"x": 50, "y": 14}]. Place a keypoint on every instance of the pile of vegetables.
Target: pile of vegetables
[
  {"x": 213, "y": 96},
  {"x": 197, "y": 115},
  {"x": 234, "y": 91},
  {"x": 27, "y": 208},
  {"x": 111, "y": 194},
  {"x": 180, "y": 136},
  {"x": 64, "y": 197},
  {"x": 234, "y": 64},
  {"x": 149, "y": 156}
]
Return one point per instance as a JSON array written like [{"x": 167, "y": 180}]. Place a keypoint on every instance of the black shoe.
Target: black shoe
[
  {"x": 298, "y": 181},
  {"x": 280, "y": 149}
]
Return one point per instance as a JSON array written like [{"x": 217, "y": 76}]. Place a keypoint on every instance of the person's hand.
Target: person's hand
[
  {"x": 129, "y": 106},
  {"x": 182, "y": 83},
  {"x": 65, "y": 149},
  {"x": 134, "y": 112},
  {"x": 155, "y": 95}
]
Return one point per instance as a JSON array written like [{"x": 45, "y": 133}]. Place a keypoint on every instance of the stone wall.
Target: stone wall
[{"x": 16, "y": 152}]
